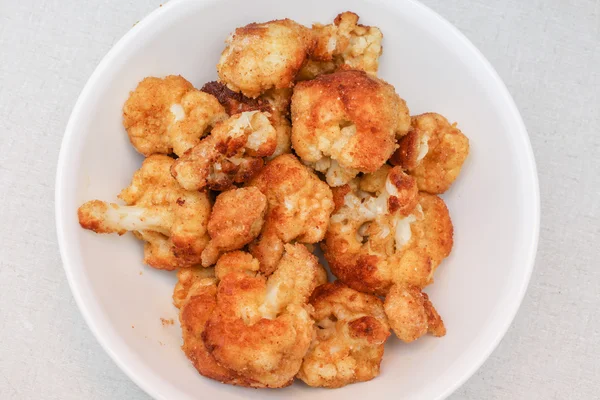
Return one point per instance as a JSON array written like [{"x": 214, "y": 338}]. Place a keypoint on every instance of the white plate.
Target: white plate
[{"x": 494, "y": 204}]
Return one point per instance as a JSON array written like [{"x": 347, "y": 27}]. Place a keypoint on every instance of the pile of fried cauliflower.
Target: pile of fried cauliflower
[{"x": 298, "y": 143}]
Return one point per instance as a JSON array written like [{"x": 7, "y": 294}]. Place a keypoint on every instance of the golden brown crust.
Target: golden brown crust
[
  {"x": 349, "y": 335},
  {"x": 433, "y": 152},
  {"x": 168, "y": 115},
  {"x": 195, "y": 312},
  {"x": 345, "y": 43},
  {"x": 88, "y": 219},
  {"x": 378, "y": 239},
  {"x": 236, "y": 219},
  {"x": 299, "y": 206},
  {"x": 236, "y": 261},
  {"x": 411, "y": 314},
  {"x": 188, "y": 279},
  {"x": 260, "y": 328},
  {"x": 232, "y": 154},
  {"x": 171, "y": 220},
  {"x": 275, "y": 102},
  {"x": 259, "y": 57},
  {"x": 347, "y": 117}
]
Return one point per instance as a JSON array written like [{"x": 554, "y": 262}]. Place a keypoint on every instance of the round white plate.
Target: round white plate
[{"x": 494, "y": 204}]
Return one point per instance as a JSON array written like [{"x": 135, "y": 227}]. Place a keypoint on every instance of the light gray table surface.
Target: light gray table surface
[{"x": 547, "y": 52}]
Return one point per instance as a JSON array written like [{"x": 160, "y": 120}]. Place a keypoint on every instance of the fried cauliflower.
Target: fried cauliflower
[
  {"x": 188, "y": 279},
  {"x": 299, "y": 206},
  {"x": 259, "y": 57},
  {"x": 433, "y": 152},
  {"x": 345, "y": 123},
  {"x": 222, "y": 198},
  {"x": 261, "y": 328},
  {"x": 196, "y": 296},
  {"x": 411, "y": 314},
  {"x": 279, "y": 102},
  {"x": 231, "y": 154},
  {"x": 275, "y": 101},
  {"x": 344, "y": 42},
  {"x": 236, "y": 219},
  {"x": 385, "y": 232},
  {"x": 168, "y": 115},
  {"x": 350, "y": 331},
  {"x": 171, "y": 220}
]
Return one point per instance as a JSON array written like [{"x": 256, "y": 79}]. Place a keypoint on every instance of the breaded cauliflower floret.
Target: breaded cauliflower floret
[
  {"x": 190, "y": 278},
  {"x": 299, "y": 206},
  {"x": 261, "y": 328},
  {"x": 279, "y": 101},
  {"x": 275, "y": 101},
  {"x": 350, "y": 331},
  {"x": 169, "y": 116},
  {"x": 345, "y": 123},
  {"x": 385, "y": 232},
  {"x": 231, "y": 154},
  {"x": 411, "y": 313},
  {"x": 196, "y": 296},
  {"x": 344, "y": 42},
  {"x": 259, "y": 57},
  {"x": 173, "y": 221},
  {"x": 433, "y": 152},
  {"x": 236, "y": 219}
]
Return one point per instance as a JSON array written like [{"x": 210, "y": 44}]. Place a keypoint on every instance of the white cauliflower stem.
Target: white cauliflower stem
[{"x": 171, "y": 220}]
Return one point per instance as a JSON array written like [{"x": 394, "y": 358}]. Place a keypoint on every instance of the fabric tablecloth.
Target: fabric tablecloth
[{"x": 547, "y": 52}]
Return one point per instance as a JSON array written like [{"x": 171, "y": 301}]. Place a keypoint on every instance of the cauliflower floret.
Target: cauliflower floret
[
  {"x": 385, "y": 232},
  {"x": 433, "y": 152},
  {"x": 259, "y": 57},
  {"x": 275, "y": 101},
  {"x": 347, "y": 347},
  {"x": 299, "y": 206},
  {"x": 232, "y": 153},
  {"x": 411, "y": 313},
  {"x": 173, "y": 221},
  {"x": 169, "y": 116},
  {"x": 345, "y": 123},
  {"x": 279, "y": 101},
  {"x": 236, "y": 219},
  {"x": 188, "y": 280},
  {"x": 343, "y": 43},
  {"x": 234, "y": 102},
  {"x": 261, "y": 328},
  {"x": 196, "y": 296}
]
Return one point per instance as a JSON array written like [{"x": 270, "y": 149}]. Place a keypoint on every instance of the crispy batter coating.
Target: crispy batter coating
[
  {"x": 168, "y": 115},
  {"x": 231, "y": 154},
  {"x": 173, "y": 221},
  {"x": 299, "y": 206},
  {"x": 350, "y": 331},
  {"x": 411, "y": 313},
  {"x": 234, "y": 102},
  {"x": 275, "y": 101},
  {"x": 196, "y": 296},
  {"x": 188, "y": 279},
  {"x": 279, "y": 100},
  {"x": 385, "y": 232},
  {"x": 236, "y": 219},
  {"x": 344, "y": 42},
  {"x": 259, "y": 57},
  {"x": 433, "y": 152},
  {"x": 236, "y": 261},
  {"x": 345, "y": 123},
  {"x": 261, "y": 328}
]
